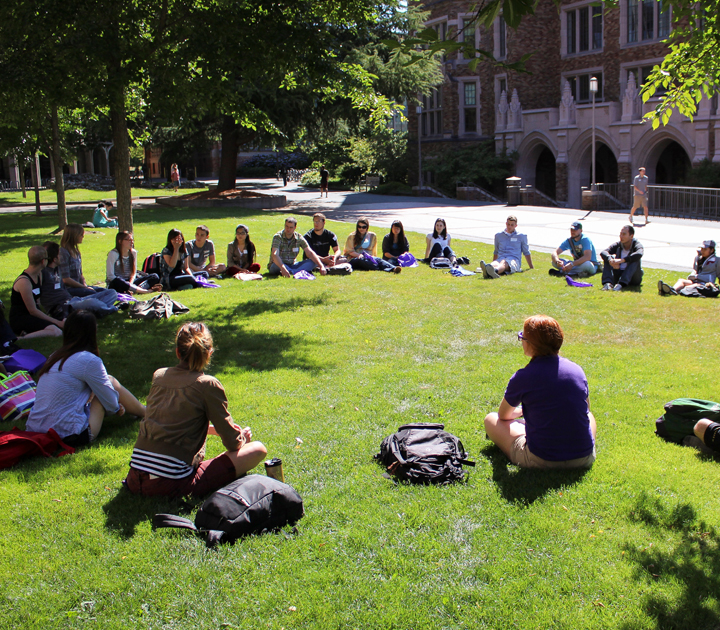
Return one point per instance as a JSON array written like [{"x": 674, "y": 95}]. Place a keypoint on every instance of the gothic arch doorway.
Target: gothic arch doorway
[
  {"x": 545, "y": 173},
  {"x": 673, "y": 165}
]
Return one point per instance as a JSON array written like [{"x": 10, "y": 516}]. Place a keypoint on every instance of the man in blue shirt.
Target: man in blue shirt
[
  {"x": 584, "y": 262},
  {"x": 509, "y": 246}
]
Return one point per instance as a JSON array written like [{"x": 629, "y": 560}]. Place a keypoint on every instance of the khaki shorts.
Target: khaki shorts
[
  {"x": 639, "y": 202},
  {"x": 520, "y": 455}
]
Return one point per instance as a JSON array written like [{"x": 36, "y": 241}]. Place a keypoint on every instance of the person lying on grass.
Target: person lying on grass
[
  {"x": 74, "y": 391},
  {"x": 184, "y": 406},
  {"x": 544, "y": 420}
]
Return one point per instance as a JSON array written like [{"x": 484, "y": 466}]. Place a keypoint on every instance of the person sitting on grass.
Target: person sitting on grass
[
  {"x": 438, "y": 243},
  {"x": 705, "y": 268},
  {"x": 361, "y": 250},
  {"x": 584, "y": 261},
  {"x": 510, "y": 245},
  {"x": 395, "y": 244},
  {"x": 201, "y": 254},
  {"x": 121, "y": 268},
  {"x": 26, "y": 319},
  {"x": 101, "y": 218},
  {"x": 184, "y": 406},
  {"x": 544, "y": 420},
  {"x": 74, "y": 391},
  {"x": 286, "y": 245},
  {"x": 55, "y": 298},
  {"x": 623, "y": 267},
  {"x": 70, "y": 264},
  {"x": 241, "y": 253},
  {"x": 321, "y": 241},
  {"x": 174, "y": 263}
]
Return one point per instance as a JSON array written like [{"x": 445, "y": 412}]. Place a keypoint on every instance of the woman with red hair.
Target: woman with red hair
[{"x": 544, "y": 420}]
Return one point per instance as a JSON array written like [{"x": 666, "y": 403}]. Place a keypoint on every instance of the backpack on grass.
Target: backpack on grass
[
  {"x": 250, "y": 505},
  {"x": 441, "y": 263},
  {"x": 157, "y": 307},
  {"x": 424, "y": 453},
  {"x": 681, "y": 416},
  {"x": 152, "y": 264}
]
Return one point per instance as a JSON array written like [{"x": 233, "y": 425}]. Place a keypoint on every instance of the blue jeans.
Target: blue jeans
[
  {"x": 123, "y": 286},
  {"x": 362, "y": 264},
  {"x": 293, "y": 268},
  {"x": 439, "y": 252},
  {"x": 630, "y": 276},
  {"x": 92, "y": 304},
  {"x": 588, "y": 268}
]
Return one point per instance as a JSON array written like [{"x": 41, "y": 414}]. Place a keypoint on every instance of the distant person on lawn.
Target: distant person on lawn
[
  {"x": 175, "y": 176},
  {"x": 361, "y": 250},
  {"x": 286, "y": 246},
  {"x": 26, "y": 319},
  {"x": 321, "y": 241},
  {"x": 622, "y": 262},
  {"x": 584, "y": 259},
  {"x": 395, "y": 243},
  {"x": 184, "y": 406},
  {"x": 509, "y": 246},
  {"x": 201, "y": 253},
  {"x": 101, "y": 218},
  {"x": 544, "y": 420},
  {"x": 75, "y": 392},
  {"x": 241, "y": 253},
  {"x": 706, "y": 268},
  {"x": 437, "y": 244}
]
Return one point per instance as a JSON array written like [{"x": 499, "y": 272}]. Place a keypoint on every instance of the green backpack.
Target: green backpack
[{"x": 681, "y": 415}]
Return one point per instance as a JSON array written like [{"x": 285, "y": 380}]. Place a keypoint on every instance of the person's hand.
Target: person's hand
[
  {"x": 285, "y": 273},
  {"x": 157, "y": 287},
  {"x": 177, "y": 242},
  {"x": 567, "y": 267},
  {"x": 61, "y": 324},
  {"x": 121, "y": 410},
  {"x": 247, "y": 434},
  {"x": 323, "y": 270}
]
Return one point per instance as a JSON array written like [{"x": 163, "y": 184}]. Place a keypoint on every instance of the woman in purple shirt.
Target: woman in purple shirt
[{"x": 544, "y": 420}]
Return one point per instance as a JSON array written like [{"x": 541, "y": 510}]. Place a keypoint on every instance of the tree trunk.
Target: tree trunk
[
  {"x": 36, "y": 166},
  {"x": 118, "y": 120},
  {"x": 22, "y": 177},
  {"x": 58, "y": 165},
  {"x": 228, "y": 159}
]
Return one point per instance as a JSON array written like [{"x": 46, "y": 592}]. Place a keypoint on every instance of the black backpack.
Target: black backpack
[
  {"x": 152, "y": 264},
  {"x": 250, "y": 505},
  {"x": 424, "y": 453},
  {"x": 681, "y": 416}
]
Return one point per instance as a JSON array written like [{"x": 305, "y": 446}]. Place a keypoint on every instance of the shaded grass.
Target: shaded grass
[
  {"x": 84, "y": 194},
  {"x": 339, "y": 363}
]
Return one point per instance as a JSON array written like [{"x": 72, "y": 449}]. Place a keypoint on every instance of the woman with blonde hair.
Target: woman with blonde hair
[
  {"x": 184, "y": 406},
  {"x": 544, "y": 420}
]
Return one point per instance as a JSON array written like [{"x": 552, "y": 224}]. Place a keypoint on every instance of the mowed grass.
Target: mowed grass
[
  {"x": 82, "y": 194},
  {"x": 322, "y": 371}
]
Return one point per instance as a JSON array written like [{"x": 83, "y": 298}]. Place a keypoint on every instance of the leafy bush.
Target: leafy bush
[
  {"x": 311, "y": 179},
  {"x": 392, "y": 188},
  {"x": 705, "y": 175}
]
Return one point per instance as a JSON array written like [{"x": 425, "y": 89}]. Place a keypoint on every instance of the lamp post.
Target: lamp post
[
  {"x": 593, "y": 89},
  {"x": 418, "y": 111}
]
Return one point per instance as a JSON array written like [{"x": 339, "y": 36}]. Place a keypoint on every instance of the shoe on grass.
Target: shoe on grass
[
  {"x": 491, "y": 272},
  {"x": 665, "y": 289},
  {"x": 483, "y": 269},
  {"x": 607, "y": 286},
  {"x": 555, "y": 272},
  {"x": 618, "y": 287}
]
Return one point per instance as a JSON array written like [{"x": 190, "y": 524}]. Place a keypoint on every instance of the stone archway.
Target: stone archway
[
  {"x": 545, "y": 173},
  {"x": 606, "y": 167},
  {"x": 673, "y": 165}
]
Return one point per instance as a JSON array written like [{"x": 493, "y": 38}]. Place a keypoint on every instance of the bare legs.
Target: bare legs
[
  {"x": 97, "y": 413},
  {"x": 50, "y": 331},
  {"x": 249, "y": 456}
]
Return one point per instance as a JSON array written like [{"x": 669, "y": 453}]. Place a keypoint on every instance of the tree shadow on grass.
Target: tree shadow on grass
[
  {"x": 692, "y": 563},
  {"x": 125, "y": 511},
  {"x": 524, "y": 486}
]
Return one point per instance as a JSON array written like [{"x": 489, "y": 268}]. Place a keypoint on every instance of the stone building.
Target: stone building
[{"x": 546, "y": 115}]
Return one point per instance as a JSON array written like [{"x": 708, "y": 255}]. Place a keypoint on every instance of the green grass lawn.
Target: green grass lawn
[
  {"x": 323, "y": 371},
  {"x": 83, "y": 194}
]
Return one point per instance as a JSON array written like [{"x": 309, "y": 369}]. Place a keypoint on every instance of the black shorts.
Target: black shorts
[
  {"x": 28, "y": 324},
  {"x": 712, "y": 436}
]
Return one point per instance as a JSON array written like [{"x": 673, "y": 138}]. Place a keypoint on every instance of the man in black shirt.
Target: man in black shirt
[
  {"x": 321, "y": 241},
  {"x": 324, "y": 178}
]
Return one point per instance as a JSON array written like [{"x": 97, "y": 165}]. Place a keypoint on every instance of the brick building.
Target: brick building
[{"x": 546, "y": 116}]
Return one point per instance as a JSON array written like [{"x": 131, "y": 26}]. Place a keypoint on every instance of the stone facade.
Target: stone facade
[{"x": 547, "y": 115}]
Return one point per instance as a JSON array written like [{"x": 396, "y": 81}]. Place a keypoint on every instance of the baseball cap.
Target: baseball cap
[
  {"x": 576, "y": 226},
  {"x": 710, "y": 244}
]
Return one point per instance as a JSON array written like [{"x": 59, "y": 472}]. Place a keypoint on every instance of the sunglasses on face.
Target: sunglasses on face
[
  {"x": 521, "y": 336},
  {"x": 362, "y": 227}
]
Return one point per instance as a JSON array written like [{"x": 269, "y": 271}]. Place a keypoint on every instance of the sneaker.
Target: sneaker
[
  {"x": 607, "y": 286},
  {"x": 665, "y": 289},
  {"x": 397, "y": 270},
  {"x": 482, "y": 269},
  {"x": 618, "y": 287},
  {"x": 491, "y": 271},
  {"x": 555, "y": 272}
]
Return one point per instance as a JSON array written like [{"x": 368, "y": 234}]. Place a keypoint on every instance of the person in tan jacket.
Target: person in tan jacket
[{"x": 184, "y": 406}]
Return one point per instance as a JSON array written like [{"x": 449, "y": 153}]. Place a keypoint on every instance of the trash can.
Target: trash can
[{"x": 513, "y": 191}]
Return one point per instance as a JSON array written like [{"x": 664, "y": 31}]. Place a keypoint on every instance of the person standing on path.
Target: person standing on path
[
  {"x": 640, "y": 194},
  {"x": 324, "y": 178},
  {"x": 175, "y": 176}
]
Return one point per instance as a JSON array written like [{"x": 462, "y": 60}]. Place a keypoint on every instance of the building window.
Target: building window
[
  {"x": 580, "y": 87},
  {"x": 500, "y": 38},
  {"x": 641, "y": 74},
  {"x": 431, "y": 124},
  {"x": 583, "y": 29},
  {"x": 469, "y": 35},
  {"x": 500, "y": 87},
  {"x": 646, "y": 21},
  {"x": 470, "y": 102}
]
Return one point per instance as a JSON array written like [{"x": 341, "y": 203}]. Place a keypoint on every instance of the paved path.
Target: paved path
[{"x": 669, "y": 243}]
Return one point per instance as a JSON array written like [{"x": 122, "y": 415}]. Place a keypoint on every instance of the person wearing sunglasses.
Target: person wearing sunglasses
[
  {"x": 361, "y": 250},
  {"x": 544, "y": 420},
  {"x": 241, "y": 253}
]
